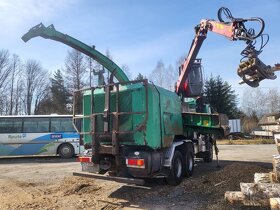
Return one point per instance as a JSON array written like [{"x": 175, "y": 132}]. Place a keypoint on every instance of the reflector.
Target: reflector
[{"x": 85, "y": 159}]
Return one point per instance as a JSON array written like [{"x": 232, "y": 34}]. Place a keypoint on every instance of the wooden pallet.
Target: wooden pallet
[{"x": 265, "y": 191}]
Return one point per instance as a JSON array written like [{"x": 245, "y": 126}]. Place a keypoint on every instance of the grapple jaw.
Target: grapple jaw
[{"x": 252, "y": 71}]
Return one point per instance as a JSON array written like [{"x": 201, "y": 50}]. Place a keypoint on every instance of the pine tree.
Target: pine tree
[
  {"x": 59, "y": 93},
  {"x": 220, "y": 96},
  {"x": 140, "y": 77}
]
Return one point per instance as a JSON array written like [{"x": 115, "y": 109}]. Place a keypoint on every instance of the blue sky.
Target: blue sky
[{"x": 137, "y": 33}]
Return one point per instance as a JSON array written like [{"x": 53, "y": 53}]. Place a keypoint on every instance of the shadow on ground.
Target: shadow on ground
[
  {"x": 37, "y": 159},
  {"x": 204, "y": 190}
]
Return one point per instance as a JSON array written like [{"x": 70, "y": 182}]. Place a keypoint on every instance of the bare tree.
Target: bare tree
[
  {"x": 34, "y": 78},
  {"x": 172, "y": 74},
  {"x": 273, "y": 100},
  {"x": 127, "y": 71},
  {"x": 41, "y": 93},
  {"x": 254, "y": 102},
  {"x": 75, "y": 71},
  {"x": 5, "y": 68},
  {"x": 164, "y": 76},
  {"x": 260, "y": 102},
  {"x": 15, "y": 66},
  {"x": 249, "y": 122},
  {"x": 5, "y": 72},
  {"x": 157, "y": 75},
  {"x": 19, "y": 96}
]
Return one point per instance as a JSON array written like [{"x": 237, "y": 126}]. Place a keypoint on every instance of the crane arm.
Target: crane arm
[
  {"x": 51, "y": 33},
  {"x": 201, "y": 31},
  {"x": 251, "y": 69}
]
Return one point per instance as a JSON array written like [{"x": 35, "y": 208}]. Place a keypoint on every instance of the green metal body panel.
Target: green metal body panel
[
  {"x": 163, "y": 122},
  {"x": 205, "y": 123},
  {"x": 148, "y": 116}
]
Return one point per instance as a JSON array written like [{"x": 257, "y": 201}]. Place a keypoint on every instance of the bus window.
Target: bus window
[
  {"x": 36, "y": 135},
  {"x": 78, "y": 125},
  {"x": 36, "y": 125},
  {"x": 67, "y": 125},
  {"x": 10, "y": 125},
  {"x": 62, "y": 125}
]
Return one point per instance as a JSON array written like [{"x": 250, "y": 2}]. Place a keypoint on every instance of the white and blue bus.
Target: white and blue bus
[{"x": 39, "y": 135}]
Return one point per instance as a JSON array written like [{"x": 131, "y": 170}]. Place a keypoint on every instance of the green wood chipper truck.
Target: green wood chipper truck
[{"x": 132, "y": 130}]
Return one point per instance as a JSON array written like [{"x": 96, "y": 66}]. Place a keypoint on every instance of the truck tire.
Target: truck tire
[
  {"x": 208, "y": 156},
  {"x": 177, "y": 169},
  {"x": 66, "y": 151},
  {"x": 189, "y": 161}
]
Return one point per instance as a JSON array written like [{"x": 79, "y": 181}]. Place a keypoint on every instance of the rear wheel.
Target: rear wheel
[
  {"x": 189, "y": 161},
  {"x": 66, "y": 151},
  {"x": 177, "y": 168}
]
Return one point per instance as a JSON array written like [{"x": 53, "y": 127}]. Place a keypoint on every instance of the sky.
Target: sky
[{"x": 138, "y": 33}]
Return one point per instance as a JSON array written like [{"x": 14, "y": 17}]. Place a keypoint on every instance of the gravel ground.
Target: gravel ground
[{"x": 47, "y": 183}]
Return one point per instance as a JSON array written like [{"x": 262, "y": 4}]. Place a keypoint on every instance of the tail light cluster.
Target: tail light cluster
[
  {"x": 85, "y": 159},
  {"x": 135, "y": 163}
]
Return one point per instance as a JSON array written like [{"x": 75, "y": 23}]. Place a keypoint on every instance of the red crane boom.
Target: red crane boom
[{"x": 252, "y": 70}]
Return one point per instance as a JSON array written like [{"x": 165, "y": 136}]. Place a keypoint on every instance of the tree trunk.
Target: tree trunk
[
  {"x": 260, "y": 190},
  {"x": 262, "y": 178},
  {"x": 274, "y": 203},
  {"x": 234, "y": 196},
  {"x": 276, "y": 167},
  {"x": 272, "y": 177},
  {"x": 237, "y": 197}
]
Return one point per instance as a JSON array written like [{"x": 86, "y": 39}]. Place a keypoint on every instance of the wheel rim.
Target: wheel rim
[
  {"x": 65, "y": 150},
  {"x": 178, "y": 168}
]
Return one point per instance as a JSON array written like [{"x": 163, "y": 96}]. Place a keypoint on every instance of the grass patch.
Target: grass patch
[{"x": 245, "y": 141}]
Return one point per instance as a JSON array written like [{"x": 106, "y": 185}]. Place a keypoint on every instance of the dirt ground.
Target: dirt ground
[{"x": 47, "y": 183}]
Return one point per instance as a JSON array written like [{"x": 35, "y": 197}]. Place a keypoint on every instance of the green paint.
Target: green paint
[
  {"x": 165, "y": 118},
  {"x": 164, "y": 115},
  {"x": 45, "y": 148},
  {"x": 202, "y": 123}
]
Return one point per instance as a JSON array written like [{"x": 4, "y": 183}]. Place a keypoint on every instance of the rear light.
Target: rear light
[
  {"x": 135, "y": 163},
  {"x": 84, "y": 159}
]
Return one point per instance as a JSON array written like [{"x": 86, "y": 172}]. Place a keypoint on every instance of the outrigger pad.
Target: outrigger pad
[{"x": 253, "y": 70}]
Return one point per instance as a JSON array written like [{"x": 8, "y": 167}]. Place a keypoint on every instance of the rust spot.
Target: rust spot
[
  {"x": 168, "y": 104},
  {"x": 141, "y": 127},
  {"x": 145, "y": 141},
  {"x": 177, "y": 128},
  {"x": 167, "y": 140}
]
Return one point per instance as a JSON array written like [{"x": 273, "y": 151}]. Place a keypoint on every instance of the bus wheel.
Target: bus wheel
[
  {"x": 66, "y": 151},
  {"x": 177, "y": 169}
]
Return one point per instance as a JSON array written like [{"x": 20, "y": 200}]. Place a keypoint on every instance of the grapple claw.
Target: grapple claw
[{"x": 253, "y": 70}]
